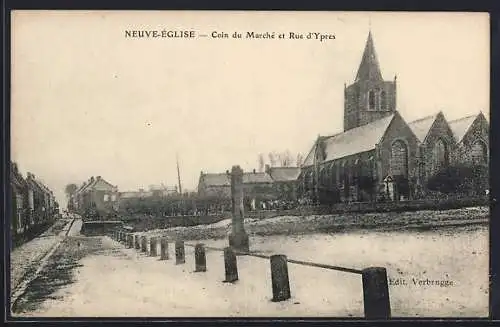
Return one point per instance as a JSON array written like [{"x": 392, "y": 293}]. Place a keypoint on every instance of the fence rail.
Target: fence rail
[
  {"x": 374, "y": 279},
  {"x": 298, "y": 262}
]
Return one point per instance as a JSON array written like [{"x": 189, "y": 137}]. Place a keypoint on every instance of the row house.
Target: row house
[{"x": 33, "y": 203}]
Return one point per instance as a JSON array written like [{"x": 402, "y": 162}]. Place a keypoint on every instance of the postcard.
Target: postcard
[{"x": 249, "y": 164}]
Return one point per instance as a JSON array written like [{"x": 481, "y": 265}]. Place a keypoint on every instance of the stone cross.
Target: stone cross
[{"x": 238, "y": 239}]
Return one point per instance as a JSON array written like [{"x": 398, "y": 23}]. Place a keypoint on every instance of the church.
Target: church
[{"x": 380, "y": 156}]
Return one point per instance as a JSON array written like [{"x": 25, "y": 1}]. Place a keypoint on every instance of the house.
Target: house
[
  {"x": 285, "y": 181},
  {"x": 20, "y": 207},
  {"x": 96, "y": 197}
]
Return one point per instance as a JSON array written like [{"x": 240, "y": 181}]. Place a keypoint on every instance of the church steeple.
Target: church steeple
[
  {"x": 370, "y": 97},
  {"x": 369, "y": 68}
]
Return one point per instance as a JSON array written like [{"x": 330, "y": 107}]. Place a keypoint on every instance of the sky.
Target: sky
[{"x": 88, "y": 101}]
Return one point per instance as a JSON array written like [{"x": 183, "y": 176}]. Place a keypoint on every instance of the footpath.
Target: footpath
[{"x": 27, "y": 258}]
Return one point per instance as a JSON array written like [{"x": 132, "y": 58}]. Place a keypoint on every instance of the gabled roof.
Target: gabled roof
[
  {"x": 369, "y": 68},
  {"x": 460, "y": 126},
  {"x": 16, "y": 176},
  {"x": 224, "y": 179},
  {"x": 422, "y": 126},
  {"x": 219, "y": 179},
  {"x": 256, "y": 177},
  {"x": 284, "y": 174},
  {"x": 94, "y": 182},
  {"x": 360, "y": 139}
]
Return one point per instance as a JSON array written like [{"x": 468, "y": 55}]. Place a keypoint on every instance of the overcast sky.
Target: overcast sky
[{"x": 88, "y": 101}]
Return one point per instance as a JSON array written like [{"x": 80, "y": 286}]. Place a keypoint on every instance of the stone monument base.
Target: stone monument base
[{"x": 239, "y": 242}]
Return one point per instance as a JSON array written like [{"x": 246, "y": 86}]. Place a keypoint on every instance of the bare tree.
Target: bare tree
[
  {"x": 286, "y": 159},
  {"x": 272, "y": 159},
  {"x": 261, "y": 162},
  {"x": 70, "y": 189},
  {"x": 300, "y": 159}
]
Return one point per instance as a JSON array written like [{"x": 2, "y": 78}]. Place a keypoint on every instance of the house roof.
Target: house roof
[
  {"x": 224, "y": 179},
  {"x": 218, "y": 179},
  {"x": 95, "y": 182},
  {"x": 353, "y": 141},
  {"x": 256, "y": 177},
  {"x": 460, "y": 126},
  {"x": 16, "y": 176},
  {"x": 422, "y": 126},
  {"x": 284, "y": 174},
  {"x": 369, "y": 68}
]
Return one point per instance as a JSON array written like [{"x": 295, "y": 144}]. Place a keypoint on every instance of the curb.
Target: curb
[{"x": 24, "y": 284}]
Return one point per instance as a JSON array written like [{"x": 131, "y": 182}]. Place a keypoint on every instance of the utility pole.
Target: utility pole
[{"x": 178, "y": 175}]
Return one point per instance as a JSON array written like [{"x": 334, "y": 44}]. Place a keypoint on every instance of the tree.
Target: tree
[
  {"x": 299, "y": 160},
  {"x": 261, "y": 162},
  {"x": 272, "y": 159},
  {"x": 70, "y": 189},
  {"x": 286, "y": 159}
]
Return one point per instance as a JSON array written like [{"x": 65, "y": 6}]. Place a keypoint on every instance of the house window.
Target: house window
[
  {"x": 371, "y": 100},
  {"x": 479, "y": 153},
  {"x": 399, "y": 159},
  {"x": 440, "y": 155},
  {"x": 106, "y": 197},
  {"x": 383, "y": 101},
  {"x": 113, "y": 197}
]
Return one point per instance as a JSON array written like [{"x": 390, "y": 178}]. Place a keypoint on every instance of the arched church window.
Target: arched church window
[
  {"x": 479, "y": 153},
  {"x": 333, "y": 175},
  {"x": 383, "y": 101},
  {"x": 399, "y": 158},
  {"x": 440, "y": 155},
  {"x": 371, "y": 100}
]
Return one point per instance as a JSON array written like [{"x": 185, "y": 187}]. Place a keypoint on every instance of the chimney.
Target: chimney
[
  {"x": 268, "y": 168},
  {"x": 201, "y": 173},
  {"x": 227, "y": 172},
  {"x": 98, "y": 177},
  {"x": 254, "y": 171},
  {"x": 92, "y": 178}
]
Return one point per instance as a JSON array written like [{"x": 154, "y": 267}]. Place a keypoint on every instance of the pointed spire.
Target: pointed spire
[{"x": 369, "y": 68}]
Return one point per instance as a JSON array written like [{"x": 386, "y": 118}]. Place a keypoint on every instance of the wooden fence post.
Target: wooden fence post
[
  {"x": 376, "y": 293},
  {"x": 279, "y": 278},
  {"x": 163, "y": 248},
  {"x": 179, "y": 252},
  {"x": 230, "y": 265},
  {"x": 153, "y": 247},
  {"x": 200, "y": 258}
]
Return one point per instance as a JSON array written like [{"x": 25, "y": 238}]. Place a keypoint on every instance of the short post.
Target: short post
[
  {"x": 153, "y": 247},
  {"x": 230, "y": 265},
  {"x": 131, "y": 240},
  {"x": 279, "y": 278},
  {"x": 144, "y": 244},
  {"x": 376, "y": 293},
  {"x": 179, "y": 252},
  {"x": 200, "y": 258},
  {"x": 163, "y": 248},
  {"x": 127, "y": 240},
  {"x": 137, "y": 242}
]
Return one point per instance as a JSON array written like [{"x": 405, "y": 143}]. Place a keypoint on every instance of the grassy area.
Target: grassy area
[{"x": 293, "y": 225}]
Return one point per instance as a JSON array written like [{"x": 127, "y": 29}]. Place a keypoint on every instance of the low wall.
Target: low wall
[
  {"x": 93, "y": 228},
  {"x": 147, "y": 223},
  {"x": 366, "y": 207}
]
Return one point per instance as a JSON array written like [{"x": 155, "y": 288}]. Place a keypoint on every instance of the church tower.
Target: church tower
[{"x": 369, "y": 98}]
